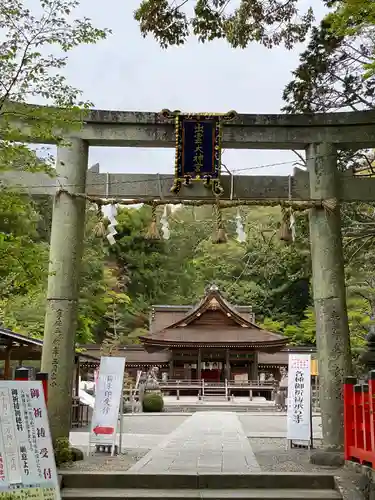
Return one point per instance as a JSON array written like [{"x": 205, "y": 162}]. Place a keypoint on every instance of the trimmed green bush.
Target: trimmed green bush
[
  {"x": 63, "y": 452},
  {"x": 153, "y": 403}
]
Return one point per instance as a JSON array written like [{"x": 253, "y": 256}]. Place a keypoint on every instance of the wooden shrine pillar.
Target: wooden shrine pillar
[
  {"x": 7, "y": 368},
  {"x": 171, "y": 367},
  {"x": 332, "y": 331},
  {"x": 199, "y": 364},
  {"x": 76, "y": 376},
  {"x": 227, "y": 364},
  {"x": 253, "y": 367}
]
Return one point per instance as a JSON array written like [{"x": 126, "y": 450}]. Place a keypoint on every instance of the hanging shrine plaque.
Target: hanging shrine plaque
[{"x": 198, "y": 148}]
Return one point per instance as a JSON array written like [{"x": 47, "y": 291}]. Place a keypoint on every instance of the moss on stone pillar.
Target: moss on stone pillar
[
  {"x": 63, "y": 284},
  {"x": 332, "y": 331}
]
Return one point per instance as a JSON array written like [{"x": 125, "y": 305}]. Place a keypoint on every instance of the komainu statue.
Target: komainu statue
[{"x": 152, "y": 383}]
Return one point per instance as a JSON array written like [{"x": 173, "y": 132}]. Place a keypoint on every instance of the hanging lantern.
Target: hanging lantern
[{"x": 198, "y": 148}]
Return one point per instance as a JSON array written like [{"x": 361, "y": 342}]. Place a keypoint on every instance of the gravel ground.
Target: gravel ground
[
  {"x": 273, "y": 457},
  {"x": 105, "y": 463}
]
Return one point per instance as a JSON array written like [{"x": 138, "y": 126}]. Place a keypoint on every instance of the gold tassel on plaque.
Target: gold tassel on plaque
[{"x": 153, "y": 231}]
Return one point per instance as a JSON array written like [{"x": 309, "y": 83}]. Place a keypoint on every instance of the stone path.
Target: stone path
[
  {"x": 204, "y": 442},
  {"x": 142, "y": 442}
]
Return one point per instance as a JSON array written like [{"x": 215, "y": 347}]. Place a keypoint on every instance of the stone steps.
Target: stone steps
[
  {"x": 217, "y": 494},
  {"x": 214, "y": 397},
  {"x": 192, "y": 408},
  {"x": 284, "y": 486}
]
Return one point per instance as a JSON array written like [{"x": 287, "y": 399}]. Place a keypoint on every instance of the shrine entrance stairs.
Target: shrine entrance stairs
[{"x": 267, "y": 486}]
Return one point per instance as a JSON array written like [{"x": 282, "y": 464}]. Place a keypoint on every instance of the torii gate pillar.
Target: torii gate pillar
[
  {"x": 68, "y": 222},
  {"x": 332, "y": 330}
]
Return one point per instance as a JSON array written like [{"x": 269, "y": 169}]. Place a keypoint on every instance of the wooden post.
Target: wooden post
[
  {"x": 227, "y": 364},
  {"x": 199, "y": 364},
  {"x": 63, "y": 281},
  {"x": 332, "y": 331},
  {"x": 171, "y": 370},
  {"x": 255, "y": 366},
  {"x": 7, "y": 371},
  {"x": 76, "y": 378}
]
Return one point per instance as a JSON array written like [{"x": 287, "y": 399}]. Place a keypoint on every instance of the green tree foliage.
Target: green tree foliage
[
  {"x": 304, "y": 332},
  {"x": 356, "y": 17},
  {"x": 33, "y": 55},
  {"x": 21, "y": 265},
  {"x": 24, "y": 276},
  {"x": 329, "y": 76},
  {"x": 262, "y": 272},
  {"x": 269, "y": 22}
]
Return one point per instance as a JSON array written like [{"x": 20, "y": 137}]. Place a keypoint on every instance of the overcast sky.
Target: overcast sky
[{"x": 127, "y": 72}]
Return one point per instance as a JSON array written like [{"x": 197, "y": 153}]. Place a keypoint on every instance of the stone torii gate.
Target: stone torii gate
[{"x": 319, "y": 135}]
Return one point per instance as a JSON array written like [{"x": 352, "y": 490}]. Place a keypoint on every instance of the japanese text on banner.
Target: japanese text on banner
[
  {"x": 27, "y": 464},
  {"x": 109, "y": 390},
  {"x": 299, "y": 398}
]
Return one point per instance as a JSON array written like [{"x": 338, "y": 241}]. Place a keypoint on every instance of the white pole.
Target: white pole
[{"x": 121, "y": 424}]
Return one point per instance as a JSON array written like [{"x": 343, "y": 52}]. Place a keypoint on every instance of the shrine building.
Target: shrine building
[{"x": 212, "y": 341}]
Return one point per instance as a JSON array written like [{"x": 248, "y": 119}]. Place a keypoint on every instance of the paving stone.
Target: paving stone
[{"x": 205, "y": 442}]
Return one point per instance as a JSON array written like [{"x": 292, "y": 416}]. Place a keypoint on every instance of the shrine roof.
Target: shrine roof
[
  {"x": 137, "y": 356},
  {"x": 31, "y": 347},
  {"x": 214, "y": 322}
]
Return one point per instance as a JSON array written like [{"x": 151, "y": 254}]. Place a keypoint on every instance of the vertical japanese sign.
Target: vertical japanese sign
[
  {"x": 200, "y": 154},
  {"x": 299, "y": 398},
  {"x": 107, "y": 400},
  {"x": 198, "y": 148},
  {"x": 27, "y": 462}
]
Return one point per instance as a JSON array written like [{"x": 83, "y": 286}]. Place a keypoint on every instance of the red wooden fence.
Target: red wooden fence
[{"x": 359, "y": 420}]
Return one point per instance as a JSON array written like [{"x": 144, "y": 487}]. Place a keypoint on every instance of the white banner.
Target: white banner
[
  {"x": 27, "y": 462},
  {"x": 299, "y": 397},
  {"x": 107, "y": 400}
]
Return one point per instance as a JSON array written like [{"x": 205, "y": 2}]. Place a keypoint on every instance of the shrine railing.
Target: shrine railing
[
  {"x": 213, "y": 384},
  {"x": 359, "y": 420}
]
